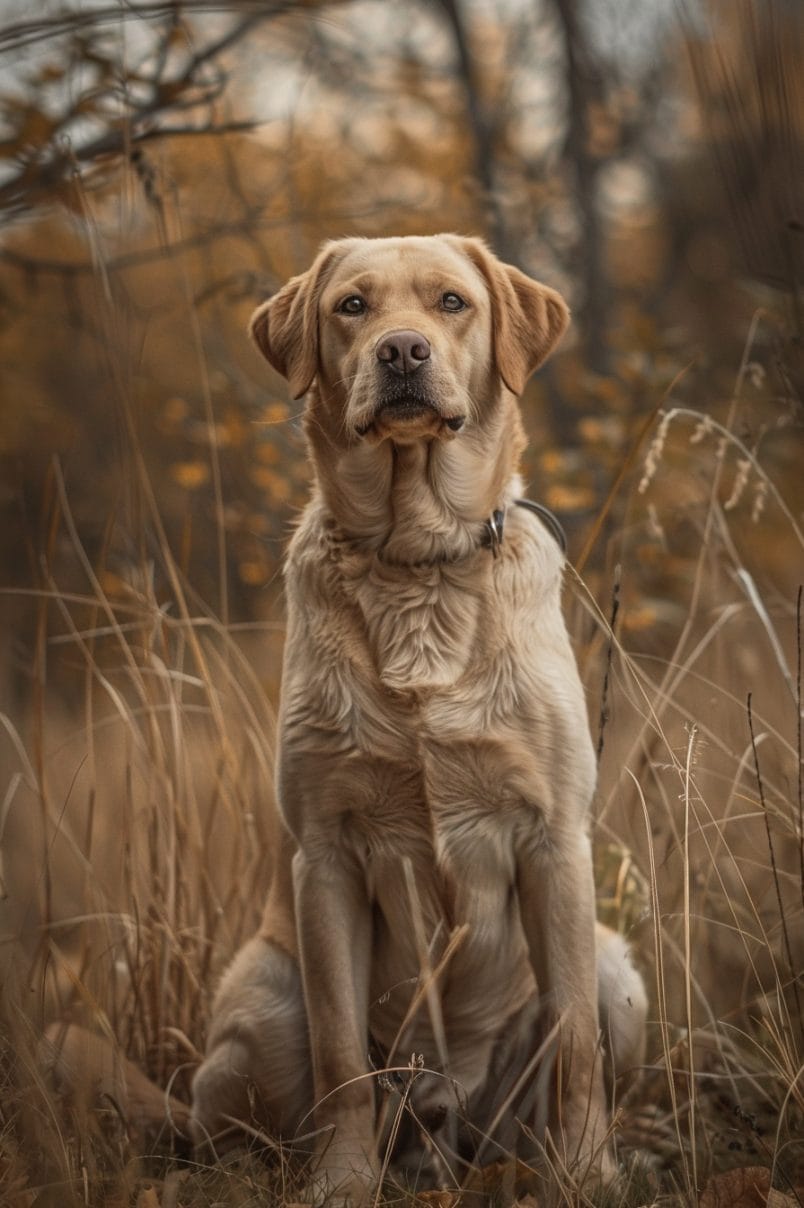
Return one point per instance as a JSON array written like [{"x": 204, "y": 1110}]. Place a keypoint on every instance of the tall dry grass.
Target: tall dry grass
[
  {"x": 137, "y": 846},
  {"x": 137, "y": 838}
]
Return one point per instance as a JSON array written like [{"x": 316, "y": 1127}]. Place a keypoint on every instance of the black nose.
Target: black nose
[{"x": 403, "y": 351}]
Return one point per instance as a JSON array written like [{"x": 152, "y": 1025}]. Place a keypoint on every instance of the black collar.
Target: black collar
[{"x": 493, "y": 535}]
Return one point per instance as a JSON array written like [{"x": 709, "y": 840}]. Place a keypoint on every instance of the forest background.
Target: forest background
[{"x": 163, "y": 168}]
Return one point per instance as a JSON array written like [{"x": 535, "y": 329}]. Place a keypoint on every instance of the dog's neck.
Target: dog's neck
[
  {"x": 405, "y": 523},
  {"x": 418, "y": 503}
]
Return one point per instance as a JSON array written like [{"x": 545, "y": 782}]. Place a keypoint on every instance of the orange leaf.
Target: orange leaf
[
  {"x": 439, "y": 1199},
  {"x": 275, "y": 413},
  {"x": 567, "y": 498},
  {"x": 190, "y": 474},
  {"x": 253, "y": 573},
  {"x": 745, "y": 1187}
]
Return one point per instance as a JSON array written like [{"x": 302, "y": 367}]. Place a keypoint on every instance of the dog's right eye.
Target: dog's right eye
[{"x": 353, "y": 305}]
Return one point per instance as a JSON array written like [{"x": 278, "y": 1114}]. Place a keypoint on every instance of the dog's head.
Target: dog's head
[{"x": 408, "y": 337}]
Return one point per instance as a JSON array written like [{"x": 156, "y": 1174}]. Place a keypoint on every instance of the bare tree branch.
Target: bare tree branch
[
  {"x": 25, "y": 33},
  {"x": 191, "y": 87}
]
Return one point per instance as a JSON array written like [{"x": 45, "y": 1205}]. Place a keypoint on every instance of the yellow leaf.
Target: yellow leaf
[
  {"x": 276, "y": 413},
  {"x": 174, "y": 411},
  {"x": 274, "y": 485},
  {"x": 112, "y": 584},
  {"x": 267, "y": 453},
  {"x": 595, "y": 429},
  {"x": 567, "y": 498},
  {"x": 253, "y": 573},
  {"x": 190, "y": 474},
  {"x": 256, "y": 522},
  {"x": 636, "y": 620},
  {"x": 552, "y": 460},
  {"x": 607, "y": 389},
  {"x": 236, "y": 429}
]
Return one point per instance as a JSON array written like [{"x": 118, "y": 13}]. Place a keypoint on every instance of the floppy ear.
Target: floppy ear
[
  {"x": 285, "y": 328},
  {"x": 527, "y": 318}
]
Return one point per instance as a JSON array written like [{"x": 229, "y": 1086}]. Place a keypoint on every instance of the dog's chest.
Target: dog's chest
[
  {"x": 433, "y": 669},
  {"x": 422, "y": 625}
]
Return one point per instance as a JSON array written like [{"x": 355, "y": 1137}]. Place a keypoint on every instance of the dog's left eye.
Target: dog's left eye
[
  {"x": 353, "y": 305},
  {"x": 452, "y": 302}
]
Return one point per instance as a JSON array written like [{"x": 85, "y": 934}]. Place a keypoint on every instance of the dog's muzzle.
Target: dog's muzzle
[{"x": 404, "y": 381}]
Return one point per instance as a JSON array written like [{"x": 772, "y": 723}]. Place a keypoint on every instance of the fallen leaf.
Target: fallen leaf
[
  {"x": 745, "y": 1187},
  {"x": 439, "y": 1199},
  {"x": 496, "y": 1175}
]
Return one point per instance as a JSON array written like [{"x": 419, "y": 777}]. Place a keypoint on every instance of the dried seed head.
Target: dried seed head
[
  {"x": 739, "y": 485},
  {"x": 760, "y": 496},
  {"x": 654, "y": 454},
  {"x": 702, "y": 429}
]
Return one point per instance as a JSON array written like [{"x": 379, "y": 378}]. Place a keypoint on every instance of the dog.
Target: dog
[{"x": 432, "y": 891}]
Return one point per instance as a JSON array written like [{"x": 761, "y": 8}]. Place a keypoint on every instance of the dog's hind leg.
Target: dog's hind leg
[{"x": 257, "y": 1068}]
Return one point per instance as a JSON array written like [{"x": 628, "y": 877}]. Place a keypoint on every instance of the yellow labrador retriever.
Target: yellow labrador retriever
[{"x": 433, "y": 889}]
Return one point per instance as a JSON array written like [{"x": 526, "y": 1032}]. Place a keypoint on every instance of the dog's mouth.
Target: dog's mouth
[
  {"x": 403, "y": 406},
  {"x": 405, "y": 400}
]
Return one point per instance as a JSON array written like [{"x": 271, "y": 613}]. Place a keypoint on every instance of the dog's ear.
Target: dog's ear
[
  {"x": 527, "y": 318},
  {"x": 285, "y": 328}
]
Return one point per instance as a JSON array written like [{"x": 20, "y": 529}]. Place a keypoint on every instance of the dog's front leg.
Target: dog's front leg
[
  {"x": 334, "y": 926},
  {"x": 556, "y": 892}
]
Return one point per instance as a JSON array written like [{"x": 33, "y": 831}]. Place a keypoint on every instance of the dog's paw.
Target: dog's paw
[
  {"x": 342, "y": 1181},
  {"x": 607, "y": 1183},
  {"x": 590, "y": 1162},
  {"x": 598, "y": 1169}
]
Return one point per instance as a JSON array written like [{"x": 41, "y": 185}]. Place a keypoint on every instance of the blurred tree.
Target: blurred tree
[{"x": 751, "y": 88}]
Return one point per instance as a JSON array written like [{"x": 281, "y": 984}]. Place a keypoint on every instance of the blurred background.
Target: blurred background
[{"x": 166, "y": 166}]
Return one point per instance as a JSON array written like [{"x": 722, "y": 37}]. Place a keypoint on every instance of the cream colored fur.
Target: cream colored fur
[{"x": 434, "y": 895}]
